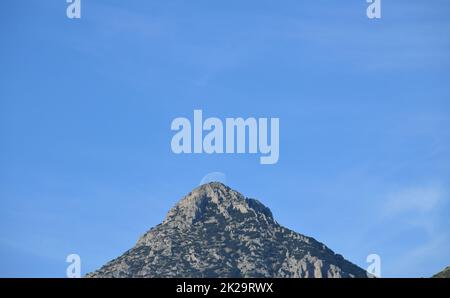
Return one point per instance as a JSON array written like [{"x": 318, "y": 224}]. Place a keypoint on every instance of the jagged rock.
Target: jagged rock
[
  {"x": 216, "y": 232},
  {"x": 443, "y": 274}
]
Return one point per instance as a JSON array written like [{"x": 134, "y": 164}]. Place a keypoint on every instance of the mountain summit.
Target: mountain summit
[{"x": 216, "y": 232}]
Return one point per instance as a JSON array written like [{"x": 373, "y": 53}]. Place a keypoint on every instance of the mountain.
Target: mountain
[
  {"x": 443, "y": 274},
  {"x": 216, "y": 232}
]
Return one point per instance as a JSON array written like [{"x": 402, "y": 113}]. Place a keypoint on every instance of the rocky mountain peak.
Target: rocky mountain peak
[
  {"x": 214, "y": 231},
  {"x": 215, "y": 199}
]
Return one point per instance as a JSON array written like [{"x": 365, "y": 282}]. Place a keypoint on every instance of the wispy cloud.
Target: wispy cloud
[
  {"x": 414, "y": 199},
  {"x": 417, "y": 210},
  {"x": 435, "y": 250}
]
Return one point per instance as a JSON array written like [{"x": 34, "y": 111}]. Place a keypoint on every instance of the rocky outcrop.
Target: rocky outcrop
[
  {"x": 443, "y": 274},
  {"x": 216, "y": 232}
]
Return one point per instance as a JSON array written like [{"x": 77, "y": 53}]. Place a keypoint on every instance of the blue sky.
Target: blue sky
[{"x": 86, "y": 107}]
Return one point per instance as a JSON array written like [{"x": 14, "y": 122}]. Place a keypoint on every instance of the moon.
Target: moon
[{"x": 214, "y": 177}]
